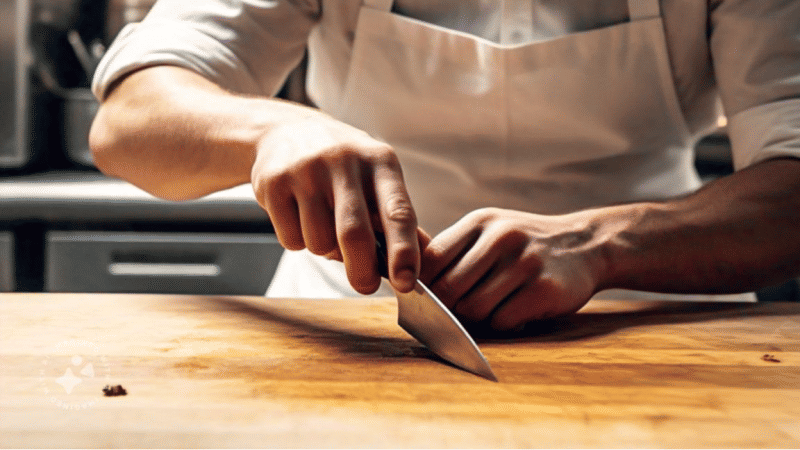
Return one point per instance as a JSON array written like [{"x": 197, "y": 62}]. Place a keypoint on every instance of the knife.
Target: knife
[{"x": 422, "y": 315}]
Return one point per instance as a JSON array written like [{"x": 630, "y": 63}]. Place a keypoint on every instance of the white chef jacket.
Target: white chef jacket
[{"x": 744, "y": 52}]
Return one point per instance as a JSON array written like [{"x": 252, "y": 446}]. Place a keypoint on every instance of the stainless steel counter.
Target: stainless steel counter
[{"x": 90, "y": 196}]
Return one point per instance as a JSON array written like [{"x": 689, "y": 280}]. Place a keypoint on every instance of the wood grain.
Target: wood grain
[{"x": 255, "y": 372}]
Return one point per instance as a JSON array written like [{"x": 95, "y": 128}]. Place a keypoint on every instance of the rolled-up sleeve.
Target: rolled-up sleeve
[
  {"x": 246, "y": 46},
  {"x": 755, "y": 45}
]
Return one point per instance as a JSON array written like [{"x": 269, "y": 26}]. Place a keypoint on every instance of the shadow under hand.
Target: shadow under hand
[
  {"x": 322, "y": 329},
  {"x": 593, "y": 322}
]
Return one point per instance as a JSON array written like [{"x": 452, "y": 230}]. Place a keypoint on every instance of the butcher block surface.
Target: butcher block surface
[{"x": 204, "y": 371}]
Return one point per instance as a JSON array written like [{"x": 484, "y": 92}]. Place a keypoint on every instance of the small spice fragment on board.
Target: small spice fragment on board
[
  {"x": 114, "y": 391},
  {"x": 770, "y": 358}
]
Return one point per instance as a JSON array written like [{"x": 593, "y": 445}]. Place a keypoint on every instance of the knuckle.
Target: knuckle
[
  {"x": 308, "y": 178},
  {"x": 482, "y": 216},
  {"x": 530, "y": 262},
  {"x": 269, "y": 185},
  {"x": 515, "y": 244},
  {"x": 510, "y": 238},
  {"x": 259, "y": 188},
  {"x": 384, "y": 155},
  {"x": 352, "y": 230},
  {"x": 435, "y": 253},
  {"x": 339, "y": 153},
  {"x": 398, "y": 209},
  {"x": 316, "y": 200},
  {"x": 352, "y": 211},
  {"x": 404, "y": 250}
]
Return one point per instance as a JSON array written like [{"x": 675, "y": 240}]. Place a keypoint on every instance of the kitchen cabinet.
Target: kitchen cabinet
[
  {"x": 181, "y": 263},
  {"x": 84, "y": 232}
]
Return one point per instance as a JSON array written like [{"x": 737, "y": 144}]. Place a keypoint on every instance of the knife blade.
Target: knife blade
[{"x": 422, "y": 315}]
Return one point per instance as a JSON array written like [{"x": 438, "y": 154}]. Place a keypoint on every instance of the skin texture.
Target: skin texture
[
  {"x": 326, "y": 185},
  {"x": 329, "y": 187}
]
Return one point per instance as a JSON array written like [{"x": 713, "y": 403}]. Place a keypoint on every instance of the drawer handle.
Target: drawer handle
[{"x": 128, "y": 269}]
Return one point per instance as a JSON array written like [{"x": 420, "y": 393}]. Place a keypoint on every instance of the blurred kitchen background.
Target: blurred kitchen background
[{"x": 66, "y": 228}]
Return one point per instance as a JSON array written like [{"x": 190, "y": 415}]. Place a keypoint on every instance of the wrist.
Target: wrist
[{"x": 618, "y": 248}]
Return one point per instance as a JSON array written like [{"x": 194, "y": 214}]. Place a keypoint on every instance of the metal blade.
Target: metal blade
[{"x": 426, "y": 318}]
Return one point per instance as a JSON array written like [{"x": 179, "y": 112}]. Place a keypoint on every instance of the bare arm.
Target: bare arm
[
  {"x": 179, "y": 136},
  {"x": 325, "y": 184},
  {"x": 507, "y": 268},
  {"x": 739, "y": 233}
]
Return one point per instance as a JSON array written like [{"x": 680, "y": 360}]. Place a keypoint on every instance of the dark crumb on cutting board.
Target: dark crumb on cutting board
[
  {"x": 770, "y": 358},
  {"x": 114, "y": 391}
]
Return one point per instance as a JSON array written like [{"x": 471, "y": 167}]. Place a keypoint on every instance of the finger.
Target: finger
[
  {"x": 354, "y": 231},
  {"x": 424, "y": 239},
  {"x": 317, "y": 223},
  {"x": 478, "y": 304},
  {"x": 510, "y": 273},
  {"x": 282, "y": 209},
  {"x": 399, "y": 224},
  {"x": 535, "y": 301},
  {"x": 467, "y": 272},
  {"x": 445, "y": 249},
  {"x": 335, "y": 255}
]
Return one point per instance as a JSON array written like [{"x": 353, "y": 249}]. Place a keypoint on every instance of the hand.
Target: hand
[
  {"x": 329, "y": 187},
  {"x": 505, "y": 268}
]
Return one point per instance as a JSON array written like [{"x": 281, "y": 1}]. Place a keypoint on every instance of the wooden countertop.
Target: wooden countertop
[{"x": 203, "y": 371}]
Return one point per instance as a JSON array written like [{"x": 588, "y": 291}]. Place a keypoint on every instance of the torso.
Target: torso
[{"x": 449, "y": 89}]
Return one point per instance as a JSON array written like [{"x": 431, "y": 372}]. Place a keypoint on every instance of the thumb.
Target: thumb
[{"x": 424, "y": 239}]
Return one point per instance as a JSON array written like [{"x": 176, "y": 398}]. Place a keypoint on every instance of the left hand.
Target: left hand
[{"x": 505, "y": 268}]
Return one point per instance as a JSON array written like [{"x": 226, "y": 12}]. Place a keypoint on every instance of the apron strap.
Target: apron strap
[
  {"x": 383, "y": 5},
  {"x": 643, "y": 9}
]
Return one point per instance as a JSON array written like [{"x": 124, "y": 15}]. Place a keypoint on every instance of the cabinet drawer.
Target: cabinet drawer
[
  {"x": 7, "y": 266},
  {"x": 222, "y": 264}
]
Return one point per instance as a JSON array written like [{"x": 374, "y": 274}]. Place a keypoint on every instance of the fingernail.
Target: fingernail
[{"x": 405, "y": 278}]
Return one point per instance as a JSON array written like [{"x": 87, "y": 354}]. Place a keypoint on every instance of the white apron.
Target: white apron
[{"x": 550, "y": 127}]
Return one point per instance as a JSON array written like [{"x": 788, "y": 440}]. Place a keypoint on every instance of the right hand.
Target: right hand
[{"x": 327, "y": 186}]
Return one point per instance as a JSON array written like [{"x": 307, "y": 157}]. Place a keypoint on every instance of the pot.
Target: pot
[{"x": 80, "y": 107}]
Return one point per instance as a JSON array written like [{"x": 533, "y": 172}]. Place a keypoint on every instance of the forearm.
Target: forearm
[
  {"x": 738, "y": 233},
  {"x": 179, "y": 136}
]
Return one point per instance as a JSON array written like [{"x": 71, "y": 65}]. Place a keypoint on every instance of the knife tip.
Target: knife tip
[{"x": 487, "y": 374}]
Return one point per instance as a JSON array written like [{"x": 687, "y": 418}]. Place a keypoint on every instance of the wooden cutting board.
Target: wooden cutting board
[{"x": 255, "y": 372}]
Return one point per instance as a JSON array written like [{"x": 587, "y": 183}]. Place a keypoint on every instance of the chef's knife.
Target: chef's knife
[{"x": 422, "y": 315}]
